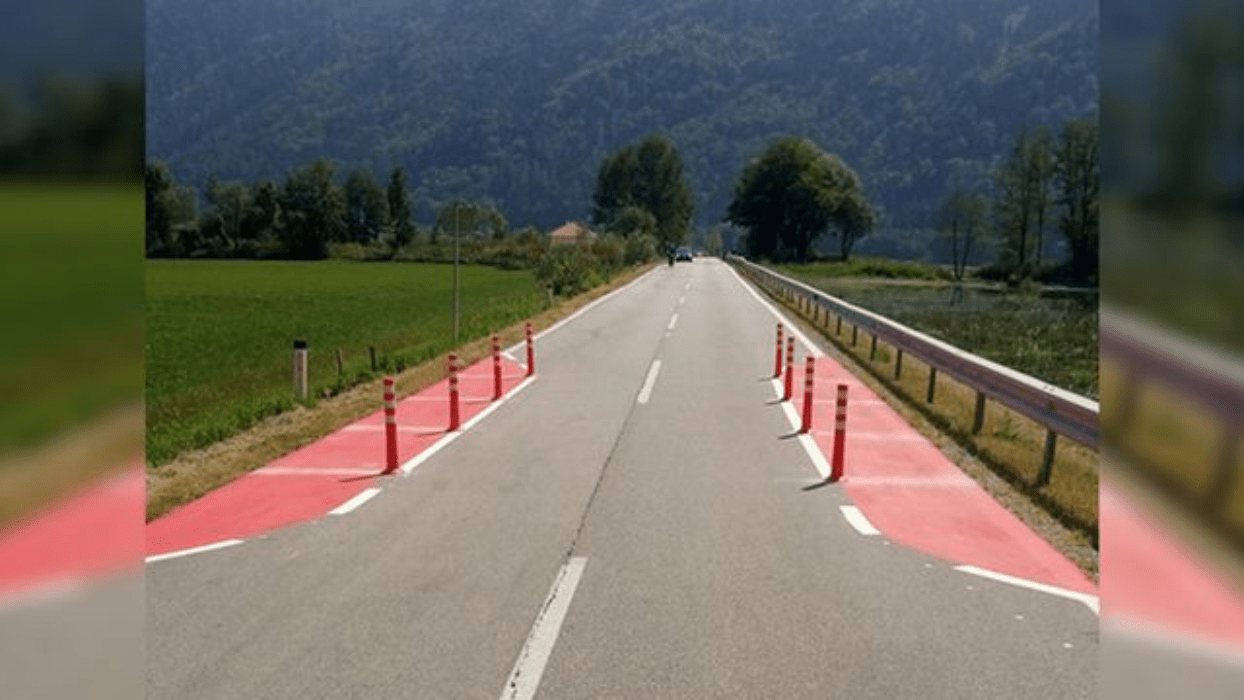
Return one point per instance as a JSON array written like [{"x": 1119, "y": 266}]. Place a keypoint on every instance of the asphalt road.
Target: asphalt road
[{"x": 646, "y": 479}]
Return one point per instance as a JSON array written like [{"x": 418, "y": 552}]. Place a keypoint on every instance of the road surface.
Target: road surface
[{"x": 636, "y": 523}]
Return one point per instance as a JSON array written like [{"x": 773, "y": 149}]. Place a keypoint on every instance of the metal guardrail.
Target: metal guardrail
[
  {"x": 1062, "y": 412},
  {"x": 1191, "y": 371}
]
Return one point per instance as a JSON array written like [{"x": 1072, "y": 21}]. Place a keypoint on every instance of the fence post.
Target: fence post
[
  {"x": 453, "y": 392},
  {"x": 840, "y": 435},
  {"x": 777, "y": 358},
  {"x": 932, "y": 383},
  {"x": 372, "y": 350},
  {"x": 390, "y": 426},
  {"x": 872, "y": 350},
  {"x": 898, "y": 364},
  {"x": 838, "y": 330},
  {"x": 855, "y": 331},
  {"x": 340, "y": 364},
  {"x": 978, "y": 417},
  {"x": 1047, "y": 459},
  {"x": 300, "y": 369}
]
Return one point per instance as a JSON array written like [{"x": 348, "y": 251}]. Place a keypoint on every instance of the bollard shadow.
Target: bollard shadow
[
  {"x": 819, "y": 485},
  {"x": 775, "y": 402},
  {"x": 790, "y": 435},
  {"x": 365, "y": 477}
]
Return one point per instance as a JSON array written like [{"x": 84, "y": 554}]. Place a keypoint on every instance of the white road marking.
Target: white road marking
[
  {"x": 673, "y": 322},
  {"x": 682, "y": 300},
  {"x": 41, "y": 593},
  {"x": 440, "y": 444},
  {"x": 907, "y": 482},
  {"x": 525, "y": 678},
  {"x": 858, "y": 521},
  {"x": 379, "y": 427},
  {"x": 361, "y": 498},
  {"x": 193, "y": 550},
  {"x": 646, "y": 392},
  {"x": 584, "y": 309},
  {"x": 1089, "y": 600},
  {"x": 688, "y": 287},
  {"x": 786, "y": 323}
]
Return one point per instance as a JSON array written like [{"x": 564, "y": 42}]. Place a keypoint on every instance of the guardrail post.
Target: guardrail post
[
  {"x": 1047, "y": 459},
  {"x": 790, "y": 368},
  {"x": 872, "y": 351},
  {"x": 898, "y": 364},
  {"x": 840, "y": 435},
  {"x": 932, "y": 383},
  {"x": 531, "y": 353},
  {"x": 978, "y": 416},
  {"x": 838, "y": 330},
  {"x": 808, "y": 373},
  {"x": 1224, "y": 476},
  {"x": 777, "y": 358},
  {"x": 453, "y": 392},
  {"x": 496, "y": 367},
  {"x": 390, "y": 426},
  {"x": 855, "y": 331}
]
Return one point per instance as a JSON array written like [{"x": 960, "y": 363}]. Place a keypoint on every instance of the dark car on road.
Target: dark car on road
[{"x": 683, "y": 253}]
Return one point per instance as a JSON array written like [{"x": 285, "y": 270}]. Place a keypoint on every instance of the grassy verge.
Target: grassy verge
[
  {"x": 199, "y": 471},
  {"x": 871, "y": 268},
  {"x": 219, "y": 334},
  {"x": 1009, "y": 444}
]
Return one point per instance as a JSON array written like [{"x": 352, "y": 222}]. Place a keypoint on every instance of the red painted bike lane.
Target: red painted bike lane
[
  {"x": 917, "y": 497},
  {"x": 309, "y": 482}
]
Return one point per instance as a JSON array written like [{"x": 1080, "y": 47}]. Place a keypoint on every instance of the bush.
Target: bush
[{"x": 640, "y": 249}]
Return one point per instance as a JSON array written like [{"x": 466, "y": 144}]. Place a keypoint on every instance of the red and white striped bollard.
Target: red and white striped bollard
[
  {"x": 453, "y": 392},
  {"x": 531, "y": 353},
  {"x": 790, "y": 368},
  {"x": 777, "y": 358},
  {"x": 496, "y": 367},
  {"x": 808, "y": 373},
  {"x": 840, "y": 434},
  {"x": 390, "y": 426}
]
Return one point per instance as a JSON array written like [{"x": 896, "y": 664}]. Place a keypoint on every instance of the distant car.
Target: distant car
[{"x": 683, "y": 253}]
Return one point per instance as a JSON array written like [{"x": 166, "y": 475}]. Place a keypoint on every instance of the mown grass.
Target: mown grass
[{"x": 220, "y": 333}]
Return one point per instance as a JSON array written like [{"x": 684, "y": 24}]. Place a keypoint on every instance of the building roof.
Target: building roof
[{"x": 572, "y": 231}]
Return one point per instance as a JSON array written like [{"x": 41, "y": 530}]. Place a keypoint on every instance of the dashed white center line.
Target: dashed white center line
[
  {"x": 646, "y": 392},
  {"x": 673, "y": 322},
  {"x": 682, "y": 300},
  {"x": 858, "y": 521},
  {"x": 363, "y": 497},
  {"x": 529, "y": 667}
]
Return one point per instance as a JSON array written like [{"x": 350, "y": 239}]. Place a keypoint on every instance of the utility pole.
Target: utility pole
[{"x": 456, "y": 301}]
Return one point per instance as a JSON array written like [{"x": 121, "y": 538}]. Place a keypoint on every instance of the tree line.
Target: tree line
[{"x": 1046, "y": 184}]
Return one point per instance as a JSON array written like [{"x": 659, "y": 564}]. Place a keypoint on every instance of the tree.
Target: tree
[
  {"x": 634, "y": 220},
  {"x": 230, "y": 203},
  {"x": 262, "y": 221},
  {"x": 1013, "y": 206},
  {"x": 1077, "y": 180},
  {"x": 157, "y": 181},
  {"x": 313, "y": 209},
  {"x": 399, "y": 208},
  {"x": 963, "y": 221},
  {"x": 792, "y": 195},
  {"x": 367, "y": 209},
  {"x": 648, "y": 176},
  {"x": 471, "y": 221},
  {"x": 1040, "y": 167}
]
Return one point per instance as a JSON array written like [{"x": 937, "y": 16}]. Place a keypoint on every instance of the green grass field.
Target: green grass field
[
  {"x": 71, "y": 348},
  {"x": 219, "y": 333}
]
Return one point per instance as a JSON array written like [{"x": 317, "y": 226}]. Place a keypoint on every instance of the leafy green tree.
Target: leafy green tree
[
  {"x": 399, "y": 208},
  {"x": 1013, "y": 206},
  {"x": 230, "y": 202},
  {"x": 963, "y": 220},
  {"x": 157, "y": 182},
  {"x": 261, "y": 221},
  {"x": 1040, "y": 164},
  {"x": 792, "y": 195},
  {"x": 367, "y": 208},
  {"x": 313, "y": 209},
  {"x": 471, "y": 220},
  {"x": 649, "y": 176},
  {"x": 1077, "y": 177}
]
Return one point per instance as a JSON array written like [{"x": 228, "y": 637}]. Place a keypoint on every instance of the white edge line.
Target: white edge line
[
  {"x": 525, "y": 678},
  {"x": 858, "y": 521},
  {"x": 1089, "y": 600},
  {"x": 645, "y": 393},
  {"x": 786, "y": 322},
  {"x": 414, "y": 462},
  {"x": 809, "y": 444},
  {"x": 358, "y": 500},
  {"x": 582, "y": 310},
  {"x": 193, "y": 550}
]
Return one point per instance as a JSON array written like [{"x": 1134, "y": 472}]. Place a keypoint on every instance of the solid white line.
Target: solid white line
[
  {"x": 525, "y": 678},
  {"x": 858, "y": 521},
  {"x": 786, "y": 322},
  {"x": 814, "y": 453},
  {"x": 355, "y": 502},
  {"x": 440, "y": 444},
  {"x": 796, "y": 422},
  {"x": 673, "y": 322},
  {"x": 1170, "y": 640},
  {"x": 193, "y": 550},
  {"x": 646, "y": 392},
  {"x": 1091, "y": 601},
  {"x": 584, "y": 309}
]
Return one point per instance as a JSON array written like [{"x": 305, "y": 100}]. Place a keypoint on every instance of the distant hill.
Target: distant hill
[
  {"x": 78, "y": 38},
  {"x": 517, "y": 102}
]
